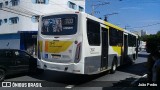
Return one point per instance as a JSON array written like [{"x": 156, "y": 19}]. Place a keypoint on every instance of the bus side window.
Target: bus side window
[
  {"x": 93, "y": 33},
  {"x": 113, "y": 36},
  {"x": 131, "y": 40},
  {"x": 120, "y": 38},
  {"x": 116, "y": 37}
]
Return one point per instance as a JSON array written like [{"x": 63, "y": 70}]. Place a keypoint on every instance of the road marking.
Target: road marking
[
  {"x": 69, "y": 86},
  {"x": 145, "y": 75}
]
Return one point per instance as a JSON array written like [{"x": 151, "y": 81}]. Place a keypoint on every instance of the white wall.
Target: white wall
[
  {"x": 10, "y": 44},
  {"x": 27, "y": 8}
]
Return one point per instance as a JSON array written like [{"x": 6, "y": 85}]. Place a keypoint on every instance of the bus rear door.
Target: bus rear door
[{"x": 104, "y": 56}]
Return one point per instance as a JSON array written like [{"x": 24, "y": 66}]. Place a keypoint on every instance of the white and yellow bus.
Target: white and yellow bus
[{"x": 76, "y": 42}]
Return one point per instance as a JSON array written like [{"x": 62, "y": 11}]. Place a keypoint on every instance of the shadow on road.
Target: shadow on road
[
  {"x": 15, "y": 75},
  {"x": 74, "y": 79},
  {"x": 138, "y": 69},
  {"x": 124, "y": 83},
  {"x": 67, "y": 78},
  {"x": 127, "y": 84}
]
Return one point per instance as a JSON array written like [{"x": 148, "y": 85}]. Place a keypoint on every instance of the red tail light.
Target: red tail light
[{"x": 78, "y": 53}]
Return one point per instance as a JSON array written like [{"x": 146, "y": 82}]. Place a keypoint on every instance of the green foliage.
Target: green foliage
[
  {"x": 144, "y": 38},
  {"x": 153, "y": 41},
  {"x": 150, "y": 37},
  {"x": 158, "y": 33}
]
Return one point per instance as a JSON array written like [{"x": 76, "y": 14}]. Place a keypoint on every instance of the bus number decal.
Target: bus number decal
[{"x": 92, "y": 51}]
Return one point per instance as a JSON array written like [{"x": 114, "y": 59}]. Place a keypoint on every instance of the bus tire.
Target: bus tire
[
  {"x": 114, "y": 66},
  {"x": 2, "y": 74}
]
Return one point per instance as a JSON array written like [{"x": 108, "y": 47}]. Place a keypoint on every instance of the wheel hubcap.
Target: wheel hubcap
[{"x": 114, "y": 67}]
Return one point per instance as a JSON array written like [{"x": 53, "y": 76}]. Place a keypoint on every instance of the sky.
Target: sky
[{"x": 135, "y": 15}]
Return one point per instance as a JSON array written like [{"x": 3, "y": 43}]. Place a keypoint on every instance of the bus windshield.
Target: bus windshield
[{"x": 59, "y": 24}]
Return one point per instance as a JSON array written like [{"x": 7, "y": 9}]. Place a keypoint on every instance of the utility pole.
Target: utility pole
[
  {"x": 93, "y": 10},
  {"x": 126, "y": 27},
  {"x": 129, "y": 28},
  {"x": 95, "y": 6},
  {"x": 106, "y": 16}
]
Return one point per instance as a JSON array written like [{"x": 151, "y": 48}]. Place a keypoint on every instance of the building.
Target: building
[
  {"x": 140, "y": 33},
  {"x": 19, "y": 23},
  {"x": 143, "y": 33}
]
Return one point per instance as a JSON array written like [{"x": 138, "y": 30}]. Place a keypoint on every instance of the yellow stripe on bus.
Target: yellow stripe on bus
[
  {"x": 113, "y": 26},
  {"x": 57, "y": 46},
  {"x": 117, "y": 49},
  {"x": 40, "y": 45}
]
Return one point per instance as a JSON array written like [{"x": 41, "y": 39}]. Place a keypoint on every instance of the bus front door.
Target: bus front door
[{"x": 104, "y": 56}]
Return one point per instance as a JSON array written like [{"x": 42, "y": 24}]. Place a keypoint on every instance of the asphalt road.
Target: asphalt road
[{"x": 123, "y": 77}]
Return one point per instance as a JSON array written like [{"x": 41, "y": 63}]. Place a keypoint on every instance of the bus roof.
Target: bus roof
[
  {"x": 109, "y": 24},
  {"x": 104, "y": 22}
]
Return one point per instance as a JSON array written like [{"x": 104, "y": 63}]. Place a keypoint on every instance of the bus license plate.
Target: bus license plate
[{"x": 56, "y": 56}]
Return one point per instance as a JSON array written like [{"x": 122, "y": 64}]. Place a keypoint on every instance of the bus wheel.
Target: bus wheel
[
  {"x": 2, "y": 74},
  {"x": 114, "y": 66}
]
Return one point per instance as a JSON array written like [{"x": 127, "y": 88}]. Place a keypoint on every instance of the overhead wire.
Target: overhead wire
[
  {"x": 146, "y": 26},
  {"x": 30, "y": 8},
  {"x": 19, "y": 11},
  {"x": 60, "y": 5},
  {"x": 15, "y": 13}
]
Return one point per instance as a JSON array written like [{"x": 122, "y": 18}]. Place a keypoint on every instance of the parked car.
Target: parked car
[{"x": 14, "y": 61}]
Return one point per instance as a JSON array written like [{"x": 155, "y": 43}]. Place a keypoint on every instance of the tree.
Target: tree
[
  {"x": 153, "y": 42},
  {"x": 158, "y": 33}
]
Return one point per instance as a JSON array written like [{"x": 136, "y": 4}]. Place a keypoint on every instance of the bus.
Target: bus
[{"x": 79, "y": 43}]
